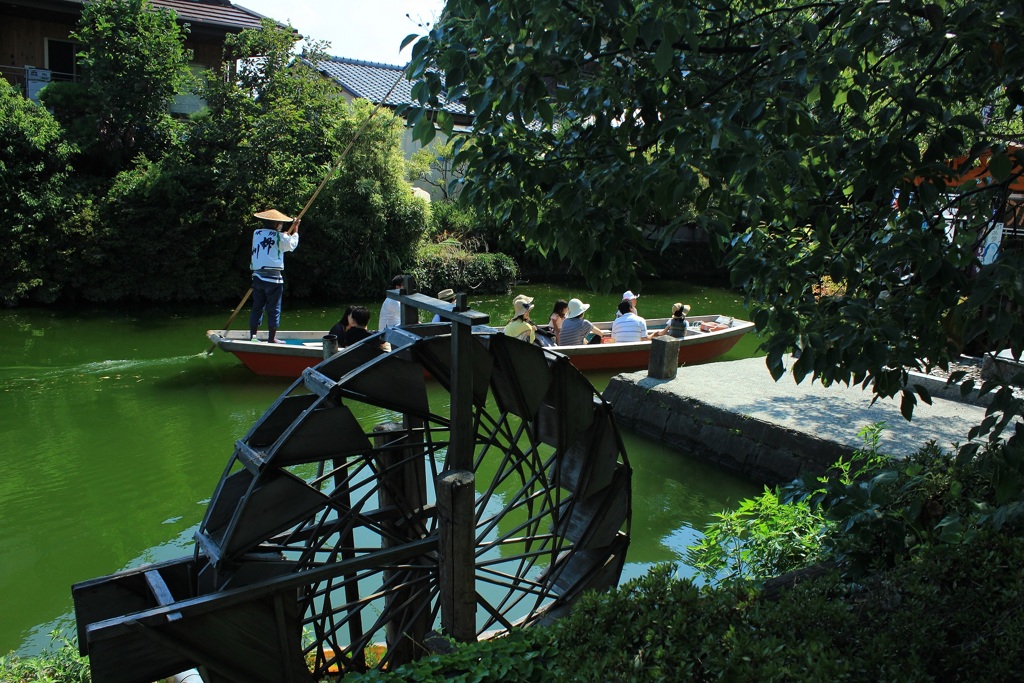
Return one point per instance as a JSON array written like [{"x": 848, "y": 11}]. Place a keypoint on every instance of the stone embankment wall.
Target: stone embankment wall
[{"x": 759, "y": 450}]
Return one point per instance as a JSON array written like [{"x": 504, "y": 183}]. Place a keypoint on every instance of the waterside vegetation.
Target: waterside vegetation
[{"x": 112, "y": 200}]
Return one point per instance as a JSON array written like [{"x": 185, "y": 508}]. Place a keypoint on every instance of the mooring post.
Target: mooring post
[
  {"x": 331, "y": 345},
  {"x": 664, "y": 360},
  {"x": 456, "y": 492}
]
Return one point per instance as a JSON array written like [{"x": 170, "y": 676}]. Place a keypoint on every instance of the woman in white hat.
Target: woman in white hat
[
  {"x": 444, "y": 295},
  {"x": 575, "y": 328},
  {"x": 269, "y": 244},
  {"x": 520, "y": 326}
]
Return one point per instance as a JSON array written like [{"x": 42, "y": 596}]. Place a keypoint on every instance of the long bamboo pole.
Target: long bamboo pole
[{"x": 323, "y": 182}]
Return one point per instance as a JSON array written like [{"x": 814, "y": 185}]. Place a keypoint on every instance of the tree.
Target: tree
[
  {"x": 789, "y": 129},
  {"x": 33, "y": 169},
  {"x": 272, "y": 131},
  {"x": 135, "y": 63}
]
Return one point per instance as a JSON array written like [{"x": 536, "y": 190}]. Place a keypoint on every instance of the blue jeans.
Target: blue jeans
[{"x": 265, "y": 295}]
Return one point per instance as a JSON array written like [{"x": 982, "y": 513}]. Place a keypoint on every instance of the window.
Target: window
[{"x": 62, "y": 60}]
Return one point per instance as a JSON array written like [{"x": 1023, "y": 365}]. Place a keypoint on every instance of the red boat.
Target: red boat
[{"x": 707, "y": 337}]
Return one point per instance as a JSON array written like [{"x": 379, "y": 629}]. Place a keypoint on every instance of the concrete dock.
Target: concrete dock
[{"x": 733, "y": 413}]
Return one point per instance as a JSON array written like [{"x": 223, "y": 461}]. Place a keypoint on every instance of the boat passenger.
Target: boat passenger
[
  {"x": 270, "y": 242},
  {"x": 391, "y": 310},
  {"x": 444, "y": 295},
  {"x": 520, "y": 326},
  {"x": 556, "y": 318},
  {"x": 576, "y": 329},
  {"x": 360, "y": 317},
  {"x": 676, "y": 325},
  {"x": 629, "y": 327},
  {"x": 342, "y": 325},
  {"x": 631, "y": 298}
]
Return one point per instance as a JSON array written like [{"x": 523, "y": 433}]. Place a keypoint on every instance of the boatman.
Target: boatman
[{"x": 270, "y": 242}]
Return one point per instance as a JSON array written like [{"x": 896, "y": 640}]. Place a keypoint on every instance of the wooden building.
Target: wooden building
[{"x": 36, "y": 47}]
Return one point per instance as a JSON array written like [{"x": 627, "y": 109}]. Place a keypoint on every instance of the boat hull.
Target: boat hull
[{"x": 304, "y": 349}]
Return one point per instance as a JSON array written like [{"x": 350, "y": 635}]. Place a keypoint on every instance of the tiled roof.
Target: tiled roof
[
  {"x": 372, "y": 81},
  {"x": 212, "y": 13},
  {"x": 208, "y": 14}
]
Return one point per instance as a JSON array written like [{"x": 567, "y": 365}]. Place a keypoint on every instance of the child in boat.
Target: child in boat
[
  {"x": 360, "y": 317},
  {"x": 556, "y": 318},
  {"x": 676, "y": 325},
  {"x": 342, "y": 325}
]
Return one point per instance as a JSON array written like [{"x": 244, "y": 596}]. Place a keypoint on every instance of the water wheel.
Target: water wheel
[{"x": 324, "y": 548}]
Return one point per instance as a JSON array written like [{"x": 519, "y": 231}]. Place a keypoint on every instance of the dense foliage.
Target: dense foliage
[
  {"x": 785, "y": 131},
  {"x": 134, "y": 62},
  {"x": 112, "y": 200},
  {"x": 950, "y": 614},
  {"x": 34, "y": 168},
  {"x": 890, "y": 571}
]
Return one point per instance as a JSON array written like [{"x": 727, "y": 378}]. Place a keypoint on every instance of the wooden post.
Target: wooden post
[
  {"x": 456, "y": 493},
  {"x": 664, "y": 360},
  {"x": 410, "y": 315},
  {"x": 403, "y": 492},
  {"x": 331, "y": 345},
  {"x": 460, "y": 448}
]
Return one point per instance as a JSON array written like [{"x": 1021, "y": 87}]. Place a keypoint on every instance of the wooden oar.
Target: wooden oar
[{"x": 323, "y": 182}]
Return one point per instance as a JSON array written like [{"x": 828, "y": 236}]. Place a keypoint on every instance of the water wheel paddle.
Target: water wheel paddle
[{"x": 326, "y": 546}]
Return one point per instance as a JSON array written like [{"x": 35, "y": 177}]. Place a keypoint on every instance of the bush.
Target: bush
[
  {"x": 33, "y": 173},
  {"x": 449, "y": 218},
  {"x": 951, "y": 613},
  {"x": 448, "y": 264},
  {"x": 62, "y": 664}
]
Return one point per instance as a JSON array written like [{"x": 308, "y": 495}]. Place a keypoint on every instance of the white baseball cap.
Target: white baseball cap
[{"x": 629, "y": 295}]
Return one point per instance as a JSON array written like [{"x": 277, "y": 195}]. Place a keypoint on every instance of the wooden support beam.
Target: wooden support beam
[
  {"x": 456, "y": 493},
  {"x": 403, "y": 486}
]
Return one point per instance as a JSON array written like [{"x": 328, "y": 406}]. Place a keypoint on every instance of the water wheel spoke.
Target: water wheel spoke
[{"x": 530, "y": 551}]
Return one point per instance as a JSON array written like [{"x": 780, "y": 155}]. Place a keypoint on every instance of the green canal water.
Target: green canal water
[{"x": 117, "y": 426}]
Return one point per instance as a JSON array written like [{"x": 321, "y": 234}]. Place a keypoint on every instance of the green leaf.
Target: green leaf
[
  {"x": 664, "y": 57},
  {"x": 408, "y": 39},
  {"x": 907, "y": 404},
  {"x": 999, "y": 166},
  {"x": 424, "y": 131},
  {"x": 857, "y": 101}
]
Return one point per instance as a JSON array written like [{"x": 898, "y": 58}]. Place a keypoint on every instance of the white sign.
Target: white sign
[
  {"x": 36, "y": 79},
  {"x": 989, "y": 251}
]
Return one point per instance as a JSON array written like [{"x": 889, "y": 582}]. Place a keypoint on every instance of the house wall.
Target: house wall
[{"x": 22, "y": 43}]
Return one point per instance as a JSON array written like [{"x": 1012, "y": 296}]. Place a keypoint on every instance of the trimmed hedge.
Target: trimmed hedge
[{"x": 440, "y": 266}]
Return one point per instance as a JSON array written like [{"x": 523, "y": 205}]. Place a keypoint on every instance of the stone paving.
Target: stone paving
[{"x": 735, "y": 414}]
